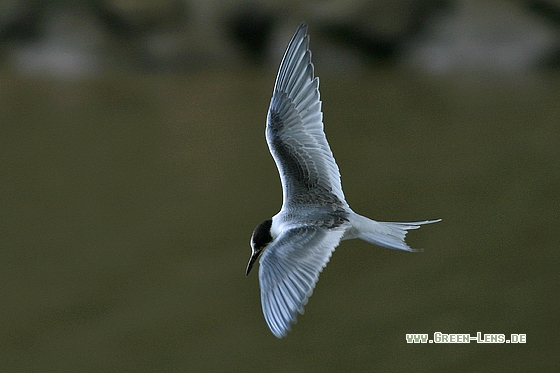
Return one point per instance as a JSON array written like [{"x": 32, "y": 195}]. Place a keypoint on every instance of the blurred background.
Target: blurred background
[{"x": 134, "y": 169}]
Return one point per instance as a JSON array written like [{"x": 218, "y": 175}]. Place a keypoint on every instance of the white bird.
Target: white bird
[{"x": 296, "y": 244}]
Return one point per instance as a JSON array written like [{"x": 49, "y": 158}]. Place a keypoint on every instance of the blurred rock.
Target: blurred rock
[
  {"x": 550, "y": 11},
  {"x": 250, "y": 26},
  {"x": 484, "y": 37},
  {"x": 74, "y": 39},
  {"x": 67, "y": 46},
  {"x": 19, "y": 19},
  {"x": 350, "y": 35}
]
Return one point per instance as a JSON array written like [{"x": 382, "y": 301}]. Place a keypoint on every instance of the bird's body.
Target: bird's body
[{"x": 296, "y": 244}]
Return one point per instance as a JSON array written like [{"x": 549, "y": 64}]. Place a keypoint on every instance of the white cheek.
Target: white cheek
[{"x": 277, "y": 227}]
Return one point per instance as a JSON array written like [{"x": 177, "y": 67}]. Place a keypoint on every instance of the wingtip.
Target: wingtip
[{"x": 301, "y": 30}]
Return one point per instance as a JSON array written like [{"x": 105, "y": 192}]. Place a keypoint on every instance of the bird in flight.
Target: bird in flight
[{"x": 296, "y": 244}]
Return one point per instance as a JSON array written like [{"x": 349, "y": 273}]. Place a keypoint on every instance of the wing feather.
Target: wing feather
[
  {"x": 295, "y": 133},
  {"x": 289, "y": 270}
]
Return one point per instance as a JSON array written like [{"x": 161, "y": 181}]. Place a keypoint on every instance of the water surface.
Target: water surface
[{"x": 127, "y": 203}]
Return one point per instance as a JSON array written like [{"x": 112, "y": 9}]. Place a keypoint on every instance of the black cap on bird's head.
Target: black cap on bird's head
[{"x": 259, "y": 241}]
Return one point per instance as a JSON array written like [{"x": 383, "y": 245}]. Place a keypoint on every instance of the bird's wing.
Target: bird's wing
[
  {"x": 289, "y": 270},
  {"x": 294, "y": 130}
]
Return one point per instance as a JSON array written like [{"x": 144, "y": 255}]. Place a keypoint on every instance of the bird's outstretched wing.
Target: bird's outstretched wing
[
  {"x": 289, "y": 270},
  {"x": 294, "y": 131}
]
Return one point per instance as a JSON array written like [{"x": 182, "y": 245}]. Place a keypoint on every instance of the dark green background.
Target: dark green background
[{"x": 127, "y": 203}]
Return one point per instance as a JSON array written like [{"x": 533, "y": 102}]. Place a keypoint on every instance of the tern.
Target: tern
[{"x": 295, "y": 245}]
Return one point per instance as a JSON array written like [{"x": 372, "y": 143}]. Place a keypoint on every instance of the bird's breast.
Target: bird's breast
[{"x": 321, "y": 216}]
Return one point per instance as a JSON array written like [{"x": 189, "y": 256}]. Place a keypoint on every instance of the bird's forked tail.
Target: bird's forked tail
[{"x": 386, "y": 234}]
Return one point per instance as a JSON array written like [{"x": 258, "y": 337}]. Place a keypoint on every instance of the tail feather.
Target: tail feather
[{"x": 388, "y": 234}]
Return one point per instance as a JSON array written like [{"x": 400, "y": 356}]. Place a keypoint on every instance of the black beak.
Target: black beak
[{"x": 252, "y": 261}]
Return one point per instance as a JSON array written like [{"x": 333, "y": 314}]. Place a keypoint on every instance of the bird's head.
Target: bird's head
[{"x": 260, "y": 239}]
